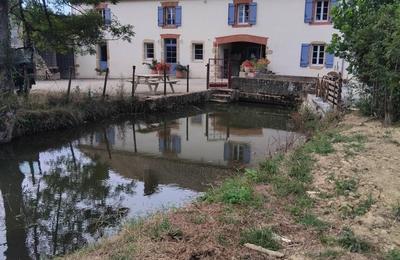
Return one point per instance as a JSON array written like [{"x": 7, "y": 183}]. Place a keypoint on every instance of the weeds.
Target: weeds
[
  {"x": 310, "y": 220},
  {"x": 233, "y": 191},
  {"x": 349, "y": 241},
  {"x": 344, "y": 187},
  {"x": 364, "y": 206},
  {"x": 330, "y": 254},
  {"x": 262, "y": 237},
  {"x": 393, "y": 254},
  {"x": 164, "y": 227},
  {"x": 396, "y": 211}
]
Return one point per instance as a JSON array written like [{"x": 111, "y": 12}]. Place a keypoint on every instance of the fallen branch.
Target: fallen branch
[
  {"x": 264, "y": 251},
  {"x": 281, "y": 238}
]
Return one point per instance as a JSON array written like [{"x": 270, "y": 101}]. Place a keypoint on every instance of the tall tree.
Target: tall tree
[
  {"x": 369, "y": 40},
  {"x": 58, "y": 25},
  {"x": 5, "y": 71}
]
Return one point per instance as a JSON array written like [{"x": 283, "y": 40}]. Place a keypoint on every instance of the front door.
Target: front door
[{"x": 170, "y": 51}]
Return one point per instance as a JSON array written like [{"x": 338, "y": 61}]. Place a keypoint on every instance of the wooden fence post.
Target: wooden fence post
[
  {"x": 69, "y": 83},
  {"x": 105, "y": 83},
  {"x": 187, "y": 78},
  {"x": 208, "y": 74},
  {"x": 165, "y": 80},
  {"x": 133, "y": 81}
]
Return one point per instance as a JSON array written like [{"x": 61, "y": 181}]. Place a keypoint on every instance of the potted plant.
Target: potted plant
[
  {"x": 152, "y": 66},
  {"x": 261, "y": 65},
  {"x": 161, "y": 66},
  {"x": 181, "y": 71},
  {"x": 247, "y": 66}
]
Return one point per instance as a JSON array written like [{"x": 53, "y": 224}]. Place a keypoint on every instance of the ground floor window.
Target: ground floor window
[
  {"x": 149, "y": 50},
  {"x": 318, "y": 54},
  {"x": 198, "y": 51},
  {"x": 103, "y": 56}
]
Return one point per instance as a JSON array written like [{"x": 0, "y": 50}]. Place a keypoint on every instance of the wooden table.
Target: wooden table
[{"x": 152, "y": 80}]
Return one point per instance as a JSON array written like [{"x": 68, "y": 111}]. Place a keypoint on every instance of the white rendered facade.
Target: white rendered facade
[{"x": 288, "y": 27}]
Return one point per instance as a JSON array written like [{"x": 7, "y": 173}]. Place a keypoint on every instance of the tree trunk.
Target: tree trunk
[
  {"x": 6, "y": 83},
  {"x": 388, "y": 106}
]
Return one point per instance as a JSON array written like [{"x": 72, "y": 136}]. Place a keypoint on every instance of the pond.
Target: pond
[{"x": 63, "y": 190}]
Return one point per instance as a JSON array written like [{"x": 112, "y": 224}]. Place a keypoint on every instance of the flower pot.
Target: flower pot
[
  {"x": 180, "y": 74},
  {"x": 154, "y": 71},
  {"x": 247, "y": 69}
]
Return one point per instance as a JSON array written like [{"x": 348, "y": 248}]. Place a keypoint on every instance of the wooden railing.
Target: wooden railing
[{"x": 329, "y": 88}]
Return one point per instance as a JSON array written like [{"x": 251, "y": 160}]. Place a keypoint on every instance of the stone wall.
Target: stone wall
[{"x": 273, "y": 88}]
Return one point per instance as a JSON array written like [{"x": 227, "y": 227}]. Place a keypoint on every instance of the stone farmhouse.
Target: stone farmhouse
[{"x": 292, "y": 34}]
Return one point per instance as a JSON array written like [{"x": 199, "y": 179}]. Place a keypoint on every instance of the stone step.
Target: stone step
[
  {"x": 217, "y": 95},
  {"x": 219, "y": 100}
]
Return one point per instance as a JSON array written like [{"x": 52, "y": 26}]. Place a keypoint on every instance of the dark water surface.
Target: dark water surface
[{"x": 61, "y": 191}]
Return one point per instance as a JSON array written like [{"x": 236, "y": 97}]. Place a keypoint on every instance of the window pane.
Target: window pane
[
  {"x": 149, "y": 50},
  {"x": 198, "y": 51}
]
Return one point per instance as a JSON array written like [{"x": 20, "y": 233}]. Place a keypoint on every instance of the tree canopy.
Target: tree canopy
[{"x": 369, "y": 39}]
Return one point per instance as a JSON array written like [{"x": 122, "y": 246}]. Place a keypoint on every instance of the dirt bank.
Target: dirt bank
[{"x": 335, "y": 198}]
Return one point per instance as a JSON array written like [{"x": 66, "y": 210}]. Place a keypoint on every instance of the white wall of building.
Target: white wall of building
[{"x": 282, "y": 21}]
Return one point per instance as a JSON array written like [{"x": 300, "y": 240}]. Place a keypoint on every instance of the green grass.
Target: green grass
[
  {"x": 310, "y": 220},
  {"x": 262, "y": 237},
  {"x": 268, "y": 169},
  {"x": 344, "y": 187},
  {"x": 330, "y": 254},
  {"x": 349, "y": 241},
  {"x": 396, "y": 211},
  {"x": 364, "y": 206},
  {"x": 164, "y": 228},
  {"x": 233, "y": 191},
  {"x": 393, "y": 254}
]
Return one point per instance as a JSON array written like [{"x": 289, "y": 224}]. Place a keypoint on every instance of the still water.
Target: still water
[{"x": 61, "y": 191}]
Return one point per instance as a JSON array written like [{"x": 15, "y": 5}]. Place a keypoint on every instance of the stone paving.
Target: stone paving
[{"x": 114, "y": 86}]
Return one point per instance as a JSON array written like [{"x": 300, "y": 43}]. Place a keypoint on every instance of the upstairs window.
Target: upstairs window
[
  {"x": 321, "y": 11},
  {"x": 170, "y": 16},
  {"x": 106, "y": 15},
  {"x": 243, "y": 11},
  {"x": 318, "y": 55},
  {"x": 318, "y": 11}
]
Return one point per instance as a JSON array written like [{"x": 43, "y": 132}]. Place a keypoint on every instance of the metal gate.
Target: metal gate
[{"x": 219, "y": 73}]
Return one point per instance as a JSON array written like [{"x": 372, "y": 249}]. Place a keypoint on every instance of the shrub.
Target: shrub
[
  {"x": 261, "y": 237},
  {"x": 349, "y": 241}
]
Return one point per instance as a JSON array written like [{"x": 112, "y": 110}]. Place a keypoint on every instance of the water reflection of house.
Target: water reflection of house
[
  {"x": 106, "y": 135},
  {"x": 169, "y": 143},
  {"x": 237, "y": 152}
]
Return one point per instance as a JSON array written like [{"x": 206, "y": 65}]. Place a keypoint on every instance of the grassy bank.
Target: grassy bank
[
  {"x": 44, "y": 112},
  {"x": 306, "y": 204}
]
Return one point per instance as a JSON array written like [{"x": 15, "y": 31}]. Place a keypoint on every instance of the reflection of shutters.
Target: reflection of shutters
[
  {"x": 178, "y": 15},
  {"x": 160, "y": 16},
  {"x": 308, "y": 13},
  {"x": 246, "y": 153},
  {"x": 98, "y": 137},
  {"x": 231, "y": 14},
  {"x": 111, "y": 135},
  {"x": 107, "y": 16},
  {"x": 161, "y": 147},
  {"x": 253, "y": 13},
  {"x": 329, "y": 60},
  {"x": 227, "y": 152},
  {"x": 176, "y": 144},
  {"x": 305, "y": 55}
]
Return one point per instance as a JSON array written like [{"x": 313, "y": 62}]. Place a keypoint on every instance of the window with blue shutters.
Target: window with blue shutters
[
  {"x": 170, "y": 16},
  {"x": 316, "y": 55},
  {"x": 242, "y": 14},
  {"x": 106, "y": 15},
  {"x": 318, "y": 11}
]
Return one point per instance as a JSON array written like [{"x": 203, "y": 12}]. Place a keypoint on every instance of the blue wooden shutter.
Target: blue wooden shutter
[
  {"x": 178, "y": 15},
  {"x": 247, "y": 154},
  {"x": 333, "y": 4},
  {"x": 305, "y": 55},
  {"x": 253, "y": 13},
  {"x": 107, "y": 16},
  {"x": 227, "y": 152},
  {"x": 160, "y": 16},
  {"x": 308, "y": 13},
  {"x": 231, "y": 14},
  {"x": 329, "y": 60}
]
